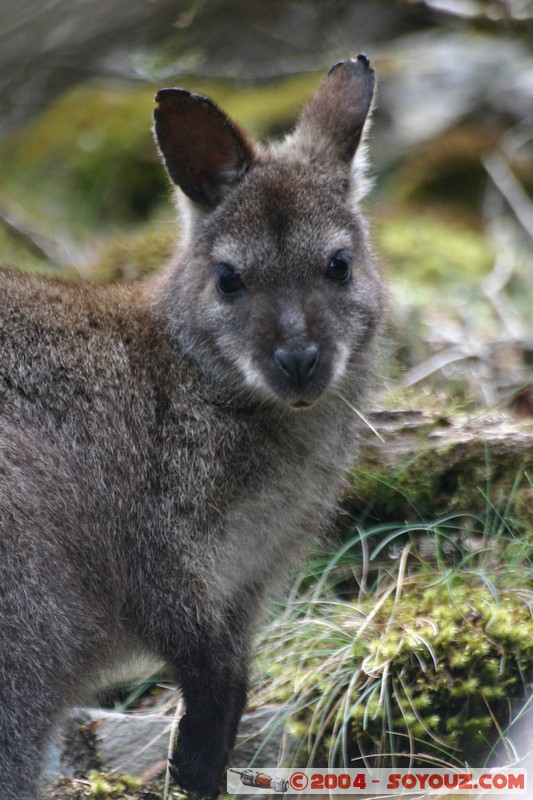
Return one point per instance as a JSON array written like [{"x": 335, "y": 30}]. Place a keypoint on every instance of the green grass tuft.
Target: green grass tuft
[{"x": 405, "y": 657}]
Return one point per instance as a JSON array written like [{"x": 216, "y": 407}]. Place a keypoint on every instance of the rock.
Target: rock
[
  {"x": 69, "y": 41},
  {"x": 429, "y": 465},
  {"x": 441, "y": 78},
  {"x": 108, "y": 741},
  {"x": 75, "y": 40},
  {"x": 137, "y": 744},
  {"x": 260, "y": 738}
]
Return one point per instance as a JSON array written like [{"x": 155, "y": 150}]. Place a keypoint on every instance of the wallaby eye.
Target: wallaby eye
[
  {"x": 228, "y": 282},
  {"x": 339, "y": 268}
]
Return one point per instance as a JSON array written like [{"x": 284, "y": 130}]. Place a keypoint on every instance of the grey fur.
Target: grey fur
[{"x": 156, "y": 473}]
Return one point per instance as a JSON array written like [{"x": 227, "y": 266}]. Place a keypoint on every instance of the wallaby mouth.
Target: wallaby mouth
[
  {"x": 302, "y": 399},
  {"x": 302, "y": 405}
]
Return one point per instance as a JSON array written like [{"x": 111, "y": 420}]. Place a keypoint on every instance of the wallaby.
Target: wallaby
[{"x": 169, "y": 446}]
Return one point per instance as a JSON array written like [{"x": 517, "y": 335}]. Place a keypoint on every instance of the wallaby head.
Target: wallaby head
[{"x": 275, "y": 291}]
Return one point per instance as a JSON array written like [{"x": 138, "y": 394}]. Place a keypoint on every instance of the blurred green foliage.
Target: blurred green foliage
[
  {"x": 126, "y": 258},
  {"x": 88, "y": 160},
  {"x": 452, "y": 478},
  {"x": 424, "y": 249}
]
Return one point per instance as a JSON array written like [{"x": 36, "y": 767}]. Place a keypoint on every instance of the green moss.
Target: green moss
[
  {"x": 130, "y": 257},
  {"x": 411, "y": 485},
  {"x": 421, "y": 250},
  {"x": 104, "y": 786},
  {"x": 88, "y": 159},
  {"x": 467, "y": 474}
]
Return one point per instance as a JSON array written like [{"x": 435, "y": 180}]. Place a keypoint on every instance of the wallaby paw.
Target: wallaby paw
[{"x": 196, "y": 780}]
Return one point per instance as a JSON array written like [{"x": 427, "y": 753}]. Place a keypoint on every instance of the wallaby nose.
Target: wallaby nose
[{"x": 297, "y": 365}]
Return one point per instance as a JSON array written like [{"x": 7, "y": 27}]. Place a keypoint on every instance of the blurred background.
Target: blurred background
[{"x": 447, "y": 537}]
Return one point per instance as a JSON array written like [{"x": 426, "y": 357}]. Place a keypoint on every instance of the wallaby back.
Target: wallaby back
[{"x": 168, "y": 447}]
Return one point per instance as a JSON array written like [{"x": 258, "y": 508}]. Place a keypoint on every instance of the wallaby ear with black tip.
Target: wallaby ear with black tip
[
  {"x": 330, "y": 127},
  {"x": 204, "y": 152}
]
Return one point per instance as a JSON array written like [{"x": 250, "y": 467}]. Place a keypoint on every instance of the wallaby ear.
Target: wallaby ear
[
  {"x": 331, "y": 125},
  {"x": 204, "y": 151}
]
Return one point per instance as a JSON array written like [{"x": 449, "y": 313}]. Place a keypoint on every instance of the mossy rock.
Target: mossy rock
[
  {"x": 446, "y": 645},
  {"x": 422, "y": 250},
  {"x": 129, "y": 257},
  {"x": 429, "y": 465},
  {"x": 88, "y": 159}
]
